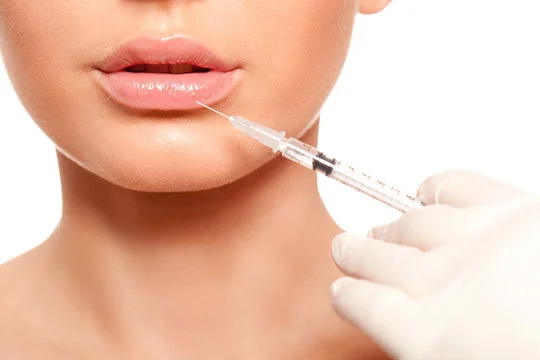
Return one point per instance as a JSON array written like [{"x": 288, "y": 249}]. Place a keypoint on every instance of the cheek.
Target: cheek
[
  {"x": 297, "y": 49},
  {"x": 42, "y": 46},
  {"x": 33, "y": 33}
]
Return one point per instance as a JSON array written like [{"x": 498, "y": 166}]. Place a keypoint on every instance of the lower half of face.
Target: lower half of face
[{"x": 281, "y": 59}]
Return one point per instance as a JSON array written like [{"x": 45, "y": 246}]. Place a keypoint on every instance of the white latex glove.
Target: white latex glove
[{"x": 457, "y": 281}]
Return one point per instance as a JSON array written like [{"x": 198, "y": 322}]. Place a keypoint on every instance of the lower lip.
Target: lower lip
[{"x": 168, "y": 91}]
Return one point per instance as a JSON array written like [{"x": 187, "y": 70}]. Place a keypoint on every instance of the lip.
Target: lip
[{"x": 165, "y": 91}]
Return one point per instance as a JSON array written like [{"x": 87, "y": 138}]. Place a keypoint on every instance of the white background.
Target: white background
[{"x": 429, "y": 85}]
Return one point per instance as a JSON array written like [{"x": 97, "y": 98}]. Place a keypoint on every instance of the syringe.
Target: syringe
[{"x": 314, "y": 159}]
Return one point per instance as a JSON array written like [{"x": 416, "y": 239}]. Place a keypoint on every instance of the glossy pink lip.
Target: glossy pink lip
[{"x": 165, "y": 91}]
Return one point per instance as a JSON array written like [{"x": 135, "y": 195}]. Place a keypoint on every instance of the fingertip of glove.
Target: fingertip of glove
[
  {"x": 339, "y": 285},
  {"x": 341, "y": 244}
]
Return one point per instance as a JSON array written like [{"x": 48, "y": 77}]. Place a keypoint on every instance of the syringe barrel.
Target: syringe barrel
[
  {"x": 312, "y": 158},
  {"x": 298, "y": 152}
]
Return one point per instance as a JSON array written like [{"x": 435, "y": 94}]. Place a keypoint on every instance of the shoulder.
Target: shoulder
[
  {"x": 9, "y": 298},
  {"x": 11, "y": 281},
  {"x": 17, "y": 304},
  {"x": 29, "y": 310}
]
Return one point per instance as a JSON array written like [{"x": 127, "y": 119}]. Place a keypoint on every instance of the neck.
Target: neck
[{"x": 203, "y": 258}]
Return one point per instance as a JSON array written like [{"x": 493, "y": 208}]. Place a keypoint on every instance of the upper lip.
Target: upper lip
[{"x": 170, "y": 50}]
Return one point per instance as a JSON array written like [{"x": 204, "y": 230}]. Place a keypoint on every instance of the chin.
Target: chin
[
  {"x": 159, "y": 179},
  {"x": 148, "y": 165}
]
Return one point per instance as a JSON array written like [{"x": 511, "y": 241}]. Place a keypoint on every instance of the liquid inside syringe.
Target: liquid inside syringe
[{"x": 314, "y": 159}]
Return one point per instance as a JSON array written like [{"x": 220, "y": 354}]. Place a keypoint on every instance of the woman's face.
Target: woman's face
[{"x": 279, "y": 60}]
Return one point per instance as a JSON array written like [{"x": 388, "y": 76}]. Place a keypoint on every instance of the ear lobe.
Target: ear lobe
[{"x": 372, "y": 6}]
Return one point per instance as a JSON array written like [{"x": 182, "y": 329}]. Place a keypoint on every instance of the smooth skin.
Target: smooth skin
[{"x": 177, "y": 238}]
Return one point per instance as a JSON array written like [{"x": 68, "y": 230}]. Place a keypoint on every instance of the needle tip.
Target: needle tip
[{"x": 209, "y": 108}]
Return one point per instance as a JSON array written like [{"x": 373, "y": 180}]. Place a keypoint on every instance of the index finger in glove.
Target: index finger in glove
[
  {"x": 464, "y": 189},
  {"x": 436, "y": 225}
]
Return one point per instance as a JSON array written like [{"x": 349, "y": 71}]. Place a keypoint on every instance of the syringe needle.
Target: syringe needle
[
  {"x": 313, "y": 159},
  {"x": 214, "y": 110}
]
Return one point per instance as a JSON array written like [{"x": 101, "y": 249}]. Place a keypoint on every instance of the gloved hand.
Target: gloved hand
[{"x": 458, "y": 281}]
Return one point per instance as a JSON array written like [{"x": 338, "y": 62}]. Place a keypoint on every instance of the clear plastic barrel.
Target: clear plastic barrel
[{"x": 312, "y": 158}]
